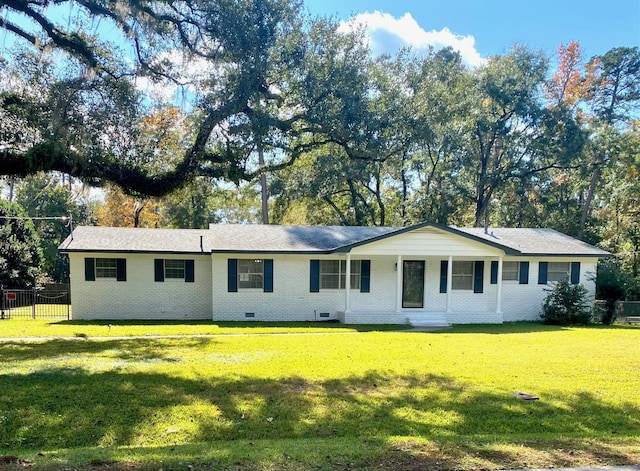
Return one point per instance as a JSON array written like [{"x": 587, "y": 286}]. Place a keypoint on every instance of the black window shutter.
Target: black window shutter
[
  {"x": 121, "y": 269},
  {"x": 158, "y": 265},
  {"x": 365, "y": 276},
  {"x": 444, "y": 267},
  {"x": 189, "y": 271},
  {"x": 542, "y": 273},
  {"x": 478, "y": 276},
  {"x": 314, "y": 276},
  {"x": 232, "y": 275},
  {"x": 575, "y": 272},
  {"x": 494, "y": 272},
  {"x": 268, "y": 275},
  {"x": 524, "y": 273},
  {"x": 90, "y": 269}
]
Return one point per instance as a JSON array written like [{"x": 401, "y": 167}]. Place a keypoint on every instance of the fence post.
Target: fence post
[
  {"x": 2, "y": 301},
  {"x": 33, "y": 303}
]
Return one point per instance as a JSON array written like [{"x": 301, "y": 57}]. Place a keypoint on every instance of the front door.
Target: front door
[{"x": 413, "y": 283}]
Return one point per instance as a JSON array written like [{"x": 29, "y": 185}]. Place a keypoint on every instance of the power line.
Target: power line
[{"x": 68, "y": 220}]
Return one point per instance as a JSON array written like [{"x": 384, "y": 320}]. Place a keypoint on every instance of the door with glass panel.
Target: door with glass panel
[{"x": 413, "y": 283}]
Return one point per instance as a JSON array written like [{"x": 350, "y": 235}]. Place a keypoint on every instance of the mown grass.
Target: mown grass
[
  {"x": 324, "y": 400},
  {"x": 21, "y": 328}
]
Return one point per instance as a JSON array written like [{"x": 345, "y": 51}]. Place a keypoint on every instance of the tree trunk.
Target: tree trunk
[
  {"x": 586, "y": 209},
  {"x": 263, "y": 188}
]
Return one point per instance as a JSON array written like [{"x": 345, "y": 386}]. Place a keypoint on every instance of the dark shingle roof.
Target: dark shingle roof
[
  {"x": 259, "y": 238},
  {"x": 533, "y": 241},
  {"x": 127, "y": 239},
  {"x": 221, "y": 238}
]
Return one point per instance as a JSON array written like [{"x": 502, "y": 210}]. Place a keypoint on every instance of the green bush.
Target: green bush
[
  {"x": 567, "y": 304},
  {"x": 632, "y": 289},
  {"x": 610, "y": 287}
]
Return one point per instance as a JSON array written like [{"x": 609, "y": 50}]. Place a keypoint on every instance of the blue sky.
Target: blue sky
[{"x": 480, "y": 28}]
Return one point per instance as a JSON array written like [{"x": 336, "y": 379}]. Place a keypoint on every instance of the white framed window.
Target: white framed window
[
  {"x": 251, "y": 274},
  {"x": 510, "y": 271},
  {"x": 174, "y": 269},
  {"x": 558, "y": 271},
  {"x": 106, "y": 268},
  {"x": 333, "y": 274},
  {"x": 462, "y": 275}
]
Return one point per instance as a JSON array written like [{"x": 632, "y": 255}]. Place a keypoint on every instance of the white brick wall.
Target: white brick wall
[
  {"x": 291, "y": 299},
  {"x": 524, "y": 302},
  {"x": 140, "y": 297}
]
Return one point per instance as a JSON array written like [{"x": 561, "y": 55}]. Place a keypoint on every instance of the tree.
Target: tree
[
  {"x": 257, "y": 86},
  {"x": 20, "y": 254},
  {"x": 121, "y": 210},
  {"x": 513, "y": 136},
  {"x": 43, "y": 196},
  {"x": 613, "y": 94}
]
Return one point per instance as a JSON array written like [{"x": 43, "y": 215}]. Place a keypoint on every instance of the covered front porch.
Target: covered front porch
[{"x": 421, "y": 291}]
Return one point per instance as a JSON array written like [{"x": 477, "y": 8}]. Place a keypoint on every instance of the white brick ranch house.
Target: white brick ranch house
[{"x": 423, "y": 274}]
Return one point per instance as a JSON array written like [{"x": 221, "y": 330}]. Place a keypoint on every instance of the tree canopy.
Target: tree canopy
[
  {"x": 168, "y": 105},
  {"x": 255, "y": 73}
]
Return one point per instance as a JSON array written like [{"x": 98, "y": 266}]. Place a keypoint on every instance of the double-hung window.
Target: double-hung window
[
  {"x": 558, "y": 271},
  {"x": 105, "y": 268},
  {"x": 549, "y": 272},
  {"x": 174, "y": 269},
  {"x": 333, "y": 274},
  {"x": 251, "y": 274},
  {"x": 510, "y": 271},
  {"x": 462, "y": 275}
]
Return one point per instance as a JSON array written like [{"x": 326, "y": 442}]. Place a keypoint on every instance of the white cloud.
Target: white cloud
[{"x": 387, "y": 34}]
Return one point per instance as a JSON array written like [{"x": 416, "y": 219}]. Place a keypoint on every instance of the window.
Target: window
[
  {"x": 510, "y": 271},
  {"x": 174, "y": 269},
  {"x": 106, "y": 268},
  {"x": 462, "y": 275},
  {"x": 250, "y": 274},
  {"x": 333, "y": 274},
  {"x": 558, "y": 271}
]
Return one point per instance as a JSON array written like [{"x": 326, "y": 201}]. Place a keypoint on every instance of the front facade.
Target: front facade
[{"x": 425, "y": 275}]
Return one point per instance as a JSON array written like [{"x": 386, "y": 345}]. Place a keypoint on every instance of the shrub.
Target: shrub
[
  {"x": 610, "y": 287},
  {"x": 567, "y": 304},
  {"x": 632, "y": 289}
]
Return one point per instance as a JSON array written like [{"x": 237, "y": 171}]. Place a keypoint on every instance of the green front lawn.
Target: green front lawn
[{"x": 319, "y": 397}]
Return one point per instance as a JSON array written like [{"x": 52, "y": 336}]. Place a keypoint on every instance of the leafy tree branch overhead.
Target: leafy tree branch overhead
[{"x": 245, "y": 68}]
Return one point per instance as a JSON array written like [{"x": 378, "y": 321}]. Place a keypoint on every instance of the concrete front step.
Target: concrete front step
[{"x": 428, "y": 319}]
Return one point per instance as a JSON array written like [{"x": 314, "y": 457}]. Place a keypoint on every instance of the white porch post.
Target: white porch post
[
  {"x": 399, "y": 284},
  {"x": 347, "y": 286},
  {"x": 449, "y": 282},
  {"x": 499, "y": 301}
]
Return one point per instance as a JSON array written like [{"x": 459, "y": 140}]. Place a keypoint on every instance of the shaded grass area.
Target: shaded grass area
[
  {"x": 394, "y": 400},
  {"x": 19, "y": 328}
]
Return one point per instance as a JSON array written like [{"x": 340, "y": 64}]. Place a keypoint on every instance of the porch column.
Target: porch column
[
  {"x": 499, "y": 301},
  {"x": 399, "y": 284},
  {"x": 449, "y": 282},
  {"x": 347, "y": 286}
]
